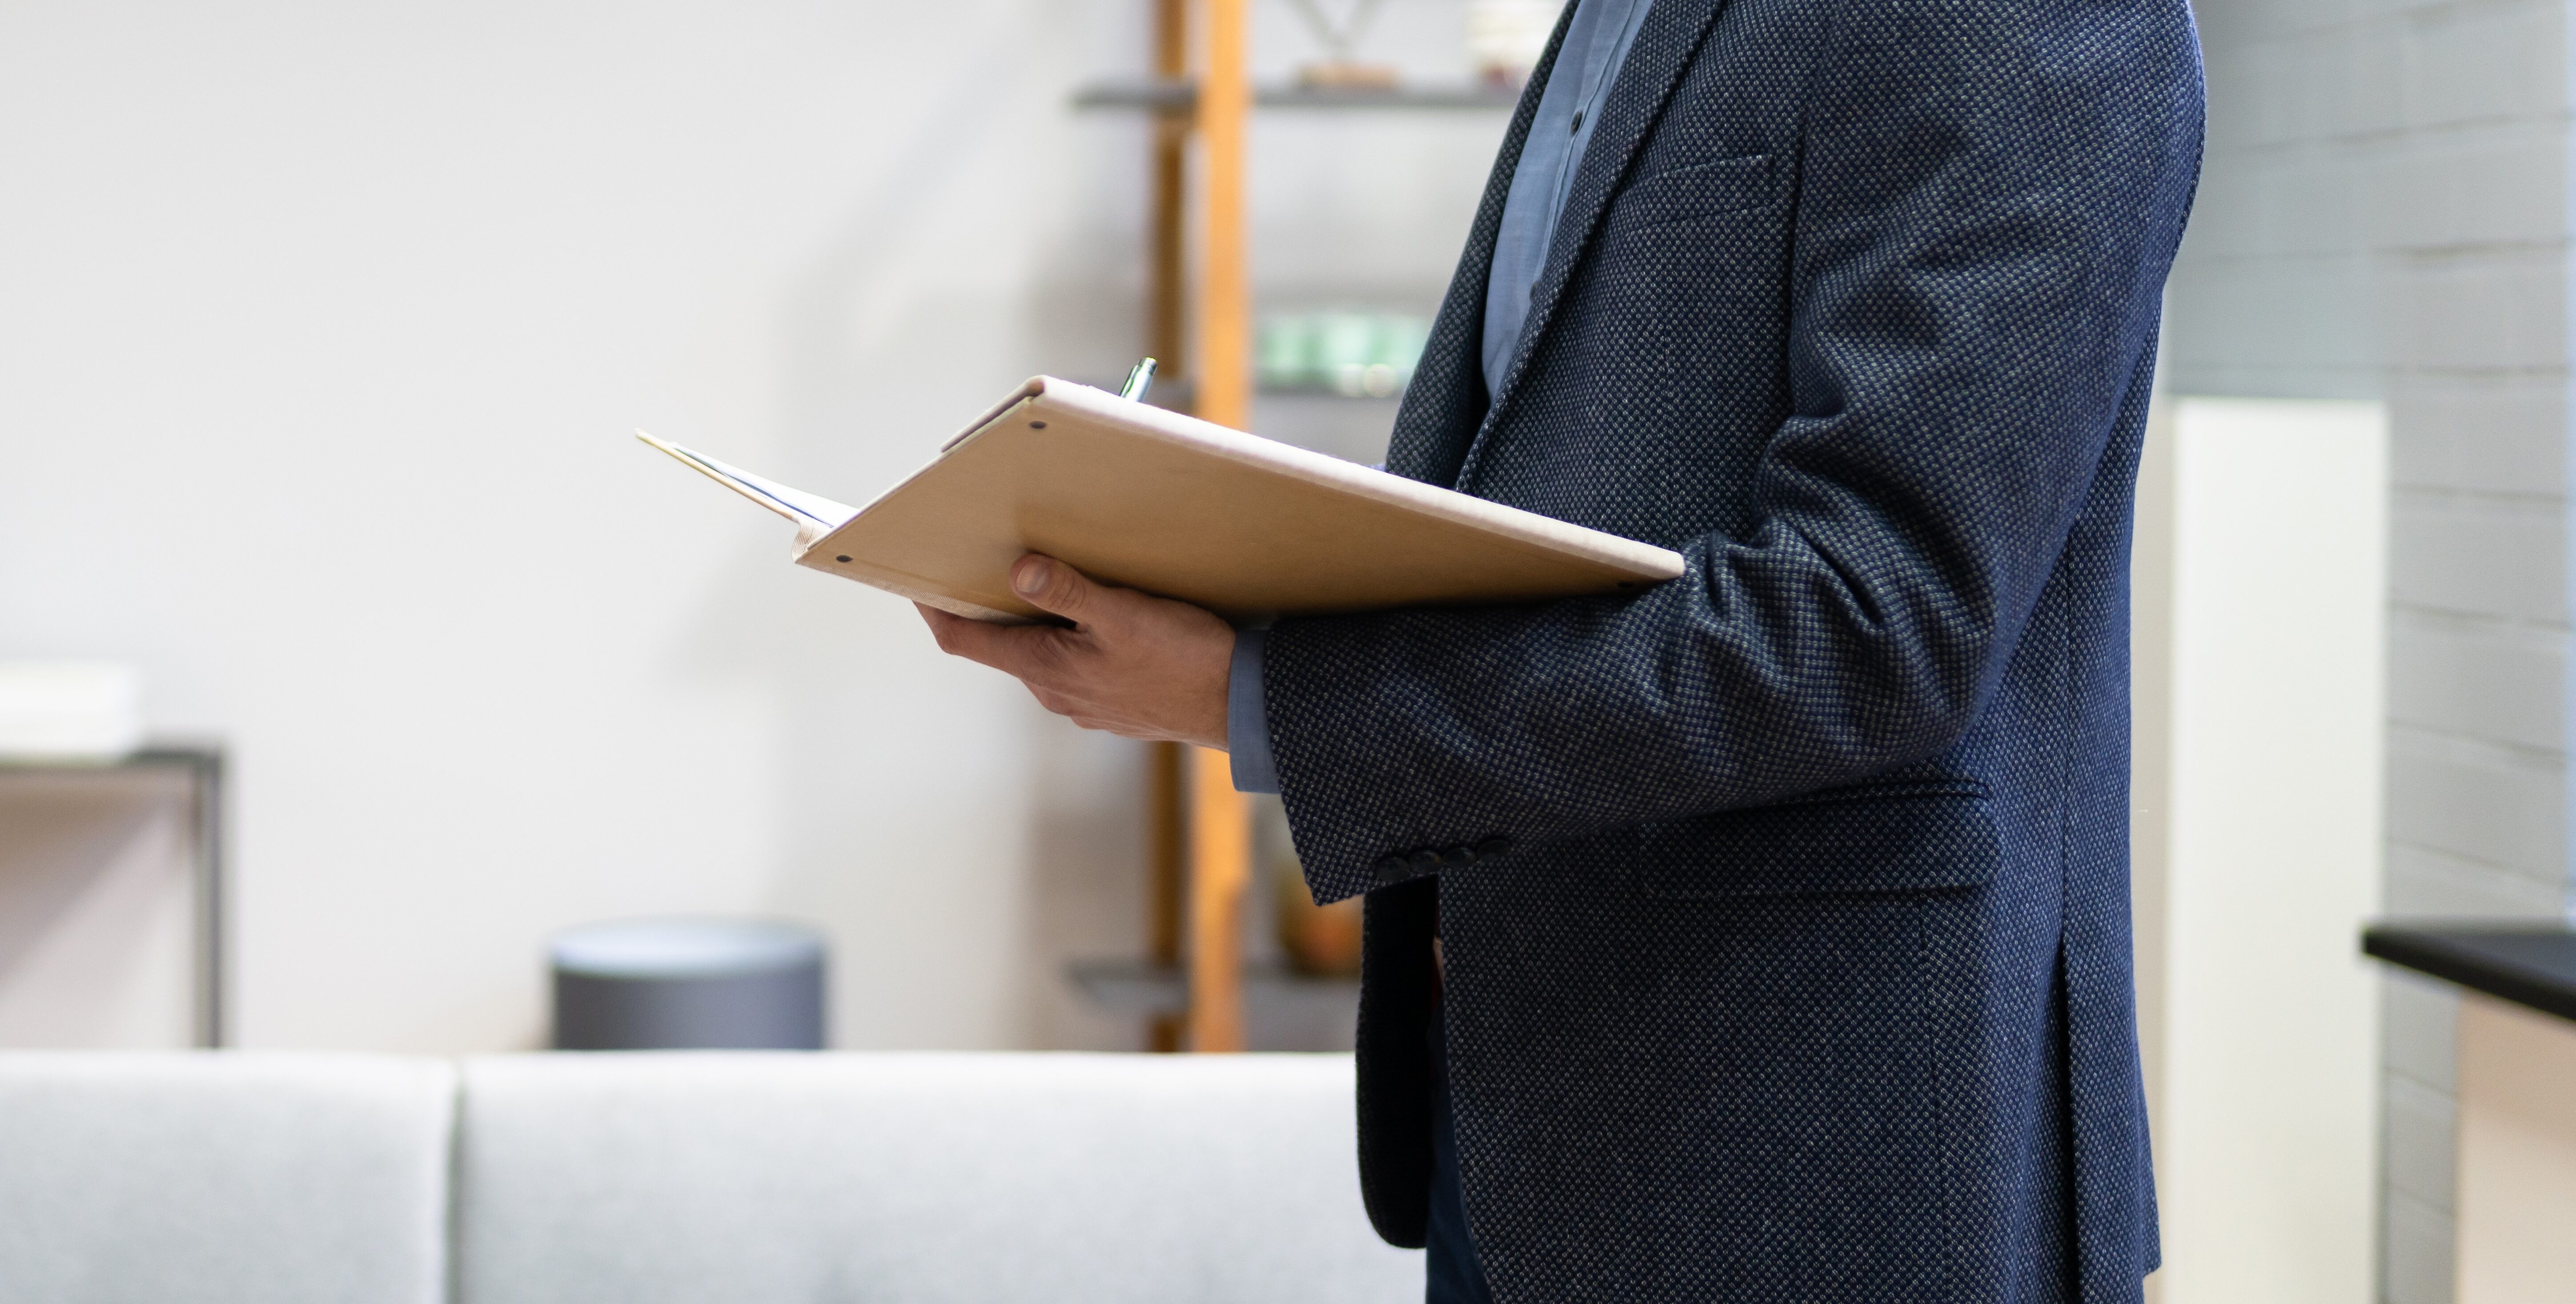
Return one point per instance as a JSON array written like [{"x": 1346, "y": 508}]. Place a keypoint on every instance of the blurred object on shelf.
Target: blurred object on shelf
[
  {"x": 689, "y": 984},
  {"x": 1341, "y": 69},
  {"x": 1348, "y": 76},
  {"x": 70, "y": 711},
  {"x": 1345, "y": 347},
  {"x": 1285, "y": 351},
  {"x": 1353, "y": 354},
  {"x": 1506, "y": 37},
  {"x": 1320, "y": 941}
]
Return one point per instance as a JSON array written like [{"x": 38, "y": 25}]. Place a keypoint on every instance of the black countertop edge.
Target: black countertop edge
[{"x": 2529, "y": 964}]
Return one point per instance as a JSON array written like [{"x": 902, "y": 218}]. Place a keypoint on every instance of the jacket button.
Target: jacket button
[
  {"x": 1494, "y": 846},
  {"x": 1425, "y": 859},
  {"x": 1460, "y": 855},
  {"x": 1389, "y": 866}
]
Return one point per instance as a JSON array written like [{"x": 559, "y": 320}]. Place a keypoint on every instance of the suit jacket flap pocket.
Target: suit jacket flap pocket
[
  {"x": 1899, "y": 838},
  {"x": 1726, "y": 185}
]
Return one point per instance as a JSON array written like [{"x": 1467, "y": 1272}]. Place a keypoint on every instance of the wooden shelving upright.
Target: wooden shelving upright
[
  {"x": 1201, "y": 327},
  {"x": 1199, "y": 324}
]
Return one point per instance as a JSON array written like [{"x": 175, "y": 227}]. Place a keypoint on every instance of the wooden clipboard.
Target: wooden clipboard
[{"x": 1151, "y": 499}]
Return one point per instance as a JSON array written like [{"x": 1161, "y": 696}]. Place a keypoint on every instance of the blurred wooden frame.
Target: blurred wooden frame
[
  {"x": 1218, "y": 362},
  {"x": 1200, "y": 829}
]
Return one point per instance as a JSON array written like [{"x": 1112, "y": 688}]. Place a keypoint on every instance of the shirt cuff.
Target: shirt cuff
[{"x": 1247, "y": 719}]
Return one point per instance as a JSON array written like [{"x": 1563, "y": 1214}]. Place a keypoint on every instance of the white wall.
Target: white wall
[
  {"x": 2261, "y": 623},
  {"x": 321, "y": 331},
  {"x": 324, "y": 332},
  {"x": 2383, "y": 213}
]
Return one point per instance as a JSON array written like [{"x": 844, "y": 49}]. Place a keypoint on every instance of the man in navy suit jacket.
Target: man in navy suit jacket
[{"x": 1781, "y": 910}]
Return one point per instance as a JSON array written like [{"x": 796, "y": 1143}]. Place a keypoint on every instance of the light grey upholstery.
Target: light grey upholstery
[
  {"x": 916, "y": 1179},
  {"x": 766, "y": 1178},
  {"x": 213, "y": 1178}
]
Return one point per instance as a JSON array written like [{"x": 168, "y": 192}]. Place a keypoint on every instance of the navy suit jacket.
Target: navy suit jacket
[{"x": 1785, "y": 905}]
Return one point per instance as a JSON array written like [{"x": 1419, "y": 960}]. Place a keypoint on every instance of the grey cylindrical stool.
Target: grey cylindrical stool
[{"x": 689, "y": 984}]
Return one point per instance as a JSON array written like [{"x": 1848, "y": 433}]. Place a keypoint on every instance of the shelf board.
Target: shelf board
[
  {"x": 1326, "y": 391},
  {"x": 1174, "y": 95},
  {"x": 1143, "y": 988},
  {"x": 152, "y": 755},
  {"x": 1175, "y": 394}
]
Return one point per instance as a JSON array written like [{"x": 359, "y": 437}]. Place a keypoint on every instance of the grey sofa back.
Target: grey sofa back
[
  {"x": 892, "y": 1179},
  {"x": 282, "y": 1179}
]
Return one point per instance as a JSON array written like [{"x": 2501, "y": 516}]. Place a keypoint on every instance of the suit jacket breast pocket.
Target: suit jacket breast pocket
[
  {"x": 1896, "y": 837},
  {"x": 1727, "y": 185}
]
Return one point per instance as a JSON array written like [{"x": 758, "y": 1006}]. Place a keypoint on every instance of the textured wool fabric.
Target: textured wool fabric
[{"x": 1785, "y": 905}]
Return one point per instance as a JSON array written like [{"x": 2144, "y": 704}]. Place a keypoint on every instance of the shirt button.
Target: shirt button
[
  {"x": 1577, "y": 124},
  {"x": 1389, "y": 866},
  {"x": 1425, "y": 859},
  {"x": 1494, "y": 846},
  {"x": 1459, "y": 856}
]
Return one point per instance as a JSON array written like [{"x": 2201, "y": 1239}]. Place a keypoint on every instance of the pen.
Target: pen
[{"x": 1138, "y": 381}]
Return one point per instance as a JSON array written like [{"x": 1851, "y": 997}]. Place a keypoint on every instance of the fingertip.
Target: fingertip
[{"x": 1029, "y": 575}]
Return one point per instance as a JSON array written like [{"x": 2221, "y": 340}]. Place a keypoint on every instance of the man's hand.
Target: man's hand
[{"x": 1136, "y": 665}]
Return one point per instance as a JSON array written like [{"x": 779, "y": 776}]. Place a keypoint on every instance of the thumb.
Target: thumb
[{"x": 1055, "y": 588}]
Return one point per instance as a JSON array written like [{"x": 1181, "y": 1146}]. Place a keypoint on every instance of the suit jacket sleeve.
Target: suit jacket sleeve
[{"x": 1988, "y": 199}]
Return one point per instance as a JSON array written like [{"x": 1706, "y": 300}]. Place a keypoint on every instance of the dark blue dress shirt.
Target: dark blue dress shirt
[{"x": 1596, "y": 44}]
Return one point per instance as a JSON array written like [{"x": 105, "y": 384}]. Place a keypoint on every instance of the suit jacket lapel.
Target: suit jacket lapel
[
  {"x": 1446, "y": 398},
  {"x": 1663, "y": 49}
]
